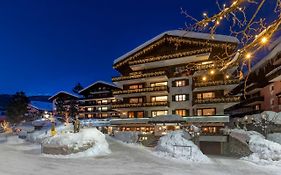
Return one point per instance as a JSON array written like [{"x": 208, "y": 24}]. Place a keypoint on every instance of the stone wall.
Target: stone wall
[{"x": 63, "y": 150}]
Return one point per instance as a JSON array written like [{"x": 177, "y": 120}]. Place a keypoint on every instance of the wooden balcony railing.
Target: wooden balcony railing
[
  {"x": 133, "y": 105},
  {"x": 147, "y": 89},
  {"x": 217, "y": 100},
  {"x": 216, "y": 83},
  {"x": 137, "y": 76}
]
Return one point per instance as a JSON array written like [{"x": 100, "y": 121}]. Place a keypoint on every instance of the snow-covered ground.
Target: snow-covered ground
[{"x": 17, "y": 157}]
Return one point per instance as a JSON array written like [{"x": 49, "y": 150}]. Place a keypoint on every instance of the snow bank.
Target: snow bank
[
  {"x": 126, "y": 136},
  {"x": 177, "y": 146},
  {"x": 275, "y": 137},
  {"x": 264, "y": 151},
  {"x": 75, "y": 141}
]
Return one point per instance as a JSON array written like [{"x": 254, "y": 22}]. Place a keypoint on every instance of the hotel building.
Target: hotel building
[{"x": 177, "y": 72}]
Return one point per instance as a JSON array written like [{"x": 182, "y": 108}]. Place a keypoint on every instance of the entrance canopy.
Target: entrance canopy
[{"x": 167, "y": 119}]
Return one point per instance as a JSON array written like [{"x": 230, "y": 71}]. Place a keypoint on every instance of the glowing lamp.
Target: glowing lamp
[
  {"x": 204, "y": 78},
  {"x": 264, "y": 40},
  {"x": 248, "y": 55}
]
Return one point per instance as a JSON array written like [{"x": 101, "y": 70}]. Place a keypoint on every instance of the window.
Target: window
[
  {"x": 89, "y": 109},
  {"x": 136, "y": 86},
  {"x": 159, "y": 98},
  {"x": 279, "y": 100},
  {"x": 104, "y": 101},
  {"x": 157, "y": 113},
  {"x": 181, "y": 97},
  {"x": 206, "y": 111},
  {"x": 105, "y": 108},
  {"x": 272, "y": 101},
  {"x": 206, "y": 95},
  {"x": 164, "y": 83},
  {"x": 136, "y": 100},
  {"x": 182, "y": 112},
  {"x": 104, "y": 115},
  {"x": 180, "y": 83},
  {"x": 257, "y": 107},
  {"x": 140, "y": 114},
  {"x": 135, "y": 114},
  {"x": 131, "y": 114}
]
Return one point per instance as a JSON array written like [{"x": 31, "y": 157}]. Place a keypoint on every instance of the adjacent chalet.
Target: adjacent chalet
[
  {"x": 97, "y": 101},
  {"x": 177, "y": 72},
  {"x": 62, "y": 102},
  {"x": 262, "y": 89}
]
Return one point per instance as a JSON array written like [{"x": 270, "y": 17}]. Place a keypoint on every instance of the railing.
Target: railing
[
  {"x": 217, "y": 100},
  {"x": 133, "y": 105},
  {"x": 216, "y": 83},
  {"x": 137, "y": 76},
  {"x": 147, "y": 89}
]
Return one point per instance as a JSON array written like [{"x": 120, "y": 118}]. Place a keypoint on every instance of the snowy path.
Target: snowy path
[{"x": 25, "y": 159}]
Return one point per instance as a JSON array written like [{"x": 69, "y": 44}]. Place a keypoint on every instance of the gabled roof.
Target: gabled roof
[
  {"x": 181, "y": 33},
  {"x": 63, "y": 92},
  {"x": 97, "y": 82}
]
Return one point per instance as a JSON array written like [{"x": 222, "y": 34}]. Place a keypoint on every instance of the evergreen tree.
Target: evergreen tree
[
  {"x": 17, "y": 107},
  {"x": 78, "y": 87}
]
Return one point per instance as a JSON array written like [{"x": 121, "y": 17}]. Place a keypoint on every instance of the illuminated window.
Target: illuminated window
[
  {"x": 182, "y": 112},
  {"x": 89, "y": 109},
  {"x": 164, "y": 83},
  {"x": 140, "y": 114},
  {"x": 180, "y": 83},
  {"x": 156, "y": 113},
  {"x": 159, "y": 98},
  {"x": 136, "y": 86},
  {"x": 206, "y": 95},
  {"x": 206, "y": 111},
  {"x": 136, "y": 100},
  {"x": 104, "y": 101},
  {"x": 104, "y": 115},
  {"x": 180, "y": 97},
  {"x": 131, "y": 114}
]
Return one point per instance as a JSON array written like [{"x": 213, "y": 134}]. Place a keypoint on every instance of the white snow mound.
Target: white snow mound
[
  {"x": 176, "y": 145},
  {"x": 78, "y": 140},
  {"x": 265, "y": 152}
]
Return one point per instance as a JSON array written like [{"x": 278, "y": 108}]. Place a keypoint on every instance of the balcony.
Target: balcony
[
  {"x": 138, "y": 76},
  {"x": 134, "y": 105},
  {"x": 253, "y": 100},
  {"x": 216, "y": 83},
  {"x": 142, "y": 90},
  {"x": 217, "y": 100}
]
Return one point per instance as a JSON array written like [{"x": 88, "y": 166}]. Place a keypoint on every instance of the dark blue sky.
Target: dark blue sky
[{"x": 50, "y": 45}]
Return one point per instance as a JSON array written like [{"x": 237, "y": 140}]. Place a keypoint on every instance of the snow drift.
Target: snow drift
[
  {"x": 264, "y": 151},
  {"x": 275, "y": 137},
  {"x": 177, "y": 145},
  {"x": 91, "y": 138},
  {"x": 127, "y": 136}
]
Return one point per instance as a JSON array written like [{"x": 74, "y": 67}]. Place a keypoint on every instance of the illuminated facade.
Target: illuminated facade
[
  {"x": 177, "y": 72},
  {"x": 97, "y": 101}
]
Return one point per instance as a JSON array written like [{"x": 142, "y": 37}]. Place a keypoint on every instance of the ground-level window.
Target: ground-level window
[
  {"x": 206, "y": 111},
  {"x": 182, "y": 112},
  {"x": 257, "y": 107},
  {"x": 159, "y": 98},
  {"x": 135, "y": 114},
  {"x": 156, "y": 113}
]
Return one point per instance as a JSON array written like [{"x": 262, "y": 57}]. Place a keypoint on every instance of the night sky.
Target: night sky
[{"x": 50, "y": 45}]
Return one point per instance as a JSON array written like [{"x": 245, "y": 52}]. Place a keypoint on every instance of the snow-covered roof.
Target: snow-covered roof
[
  {"x": 63, "y": 92},
  {"x": 102, "y": 82},
  {"x": 181, "y": 33},
  {"x": 45, "y": 106}
]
